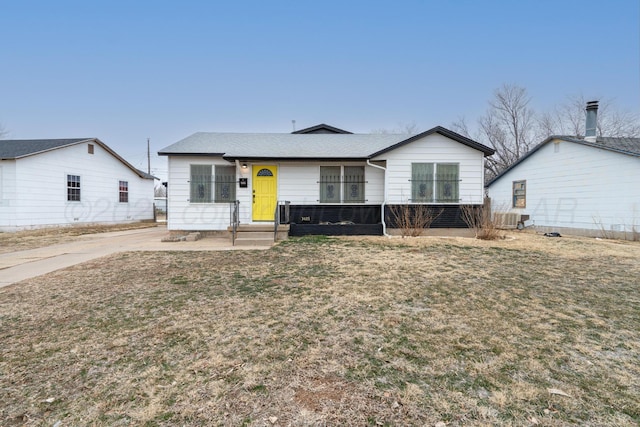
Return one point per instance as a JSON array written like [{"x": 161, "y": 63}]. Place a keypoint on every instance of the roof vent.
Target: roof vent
[{"x": 592, "y": 121}]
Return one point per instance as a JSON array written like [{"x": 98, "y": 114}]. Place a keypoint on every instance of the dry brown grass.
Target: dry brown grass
[
  {"x": 352, "y": 331},
  {"x": 31, "y": 239}
]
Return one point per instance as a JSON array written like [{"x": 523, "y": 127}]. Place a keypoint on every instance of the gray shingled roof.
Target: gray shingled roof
[
  {"x": 11, "y": 149},
  {"x": 627, "y": 146},
  {"x": 283, "y": 146},
  {"x": 299, "y": 146},
  {"x": 630, "y": 146}
]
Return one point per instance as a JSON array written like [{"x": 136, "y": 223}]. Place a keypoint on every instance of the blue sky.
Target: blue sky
[{"x": 123, "y": 71}]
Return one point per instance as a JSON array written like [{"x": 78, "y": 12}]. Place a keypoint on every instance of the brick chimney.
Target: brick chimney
[{"x": 592, "y": 121}]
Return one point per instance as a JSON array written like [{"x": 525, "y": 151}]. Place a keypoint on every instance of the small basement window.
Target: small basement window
[{"x": 520, "y": 194}]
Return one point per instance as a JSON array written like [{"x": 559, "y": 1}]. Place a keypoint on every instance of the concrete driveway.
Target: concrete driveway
[{"x": 21, "y": 265}]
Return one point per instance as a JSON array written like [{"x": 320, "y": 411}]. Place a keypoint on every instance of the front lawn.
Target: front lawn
[{"x": 341, "y": 331}]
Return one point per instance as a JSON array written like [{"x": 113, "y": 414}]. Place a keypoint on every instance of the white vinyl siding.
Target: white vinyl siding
[
  {"x": 436, "y": 149},
  {"x": 577, "y": 187},
  {"x": 186, "y": 215},
  {"x": 299, "y": 182},
  {"x": 36, "y": 190}
]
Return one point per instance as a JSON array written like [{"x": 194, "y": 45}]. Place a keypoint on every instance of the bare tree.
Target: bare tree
[
  {"x": 3, "y": 131},
  {"x": 409, "y": 128},
  {"x": 512, "y": 128},
  {"x": 569, "y": 119},
  {"x": 508, "y": 126},
  {"x": 160, "y": 191}
]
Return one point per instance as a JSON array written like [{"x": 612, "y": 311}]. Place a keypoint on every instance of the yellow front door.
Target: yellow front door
[{"x": 264, "y": 192}]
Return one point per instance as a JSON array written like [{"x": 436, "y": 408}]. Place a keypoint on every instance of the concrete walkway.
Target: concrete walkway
[{"x": 22, "y": 265}]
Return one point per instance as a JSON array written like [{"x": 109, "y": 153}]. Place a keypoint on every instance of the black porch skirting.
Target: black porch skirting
[{"x": 355, "y": 220}]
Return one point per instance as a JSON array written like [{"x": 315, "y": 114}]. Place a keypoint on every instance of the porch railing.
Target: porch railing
[{"x": 277, "y": 217}]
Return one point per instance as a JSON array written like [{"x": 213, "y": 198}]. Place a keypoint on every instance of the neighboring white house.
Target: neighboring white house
[
  {"x": 586, "y": 186},
  {"x": 320, "y": 175},
  {"x": 56, "y": 182}
]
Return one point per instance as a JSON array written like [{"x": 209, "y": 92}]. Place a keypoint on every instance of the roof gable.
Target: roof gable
[
  {"x": 13, "y": 149},
  {"x": 626, "y": 146},
  {"x": 444, "y": 132},
  {"x": 322, "y": 128}
]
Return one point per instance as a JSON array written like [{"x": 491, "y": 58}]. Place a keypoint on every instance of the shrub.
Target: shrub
[
  {"x": 480, "y": 220},
  {"x": 412, "y": 220}
]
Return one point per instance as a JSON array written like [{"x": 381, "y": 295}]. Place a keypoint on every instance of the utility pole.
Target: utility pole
[{"x": 148, "y": 158}]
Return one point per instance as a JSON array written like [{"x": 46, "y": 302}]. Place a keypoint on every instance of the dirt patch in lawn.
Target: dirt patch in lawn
[
  {"x": 31, "y": 239},
  {"x": 331, "y": 331}
]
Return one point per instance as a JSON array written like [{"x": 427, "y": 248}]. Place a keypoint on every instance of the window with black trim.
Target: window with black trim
[
  {"x": 520, "y": 194},
  {"x": 123, "y": 191},
  {"x": 435, "y": 182},
  {"x": 73, "y": 188}
]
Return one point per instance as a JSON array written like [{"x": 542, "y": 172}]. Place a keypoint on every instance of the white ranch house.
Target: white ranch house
[
  {"x": 60, "y": 182},
  {"x": 320, "y": 180},
  {"x": 585, "y": 186}
]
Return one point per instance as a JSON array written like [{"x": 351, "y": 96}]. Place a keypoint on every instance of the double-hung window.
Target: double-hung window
[
  {"x": 225, "y": 184},
  {"x": 435, "y": 182},
  {"x": 123, "y": 191},
  {"x": 73, "y": 188},
  {"x": 340, "y": 184}
]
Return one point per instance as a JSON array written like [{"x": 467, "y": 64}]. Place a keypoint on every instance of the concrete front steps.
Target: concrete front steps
[{"x": 259, "y": 234}]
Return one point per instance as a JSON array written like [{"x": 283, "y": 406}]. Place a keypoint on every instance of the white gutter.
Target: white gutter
[{"x": 384, "y": 200}]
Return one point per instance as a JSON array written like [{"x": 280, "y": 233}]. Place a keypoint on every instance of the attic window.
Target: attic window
[{"x": 90, "y": 148}]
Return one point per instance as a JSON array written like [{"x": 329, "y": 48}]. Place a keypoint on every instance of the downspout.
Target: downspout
[{"x": 384, "y": 199}]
